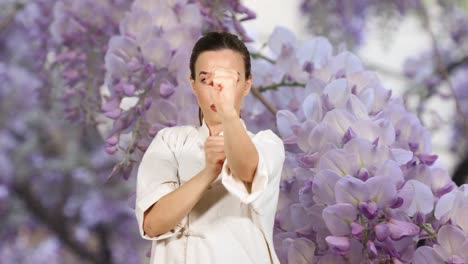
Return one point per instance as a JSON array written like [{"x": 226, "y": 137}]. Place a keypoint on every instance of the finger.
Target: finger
[
  {"x": 215, "y": 138},
  {"x": 214, "y": 146},
  {"x": 235, "y": 76},
  {"x": 225, "y": 71},
  {"x": 219, "y": 86},
  {"x": 225, "y": 75},
  {"x": 224, "y": 81},
  {"x": 214, "y": 151},
  {"x": 218, "y": 68},
  {"x": 229, "y": 74},
  {"x": 214, "y": 143},
  {"x": 221, "y": 155}
]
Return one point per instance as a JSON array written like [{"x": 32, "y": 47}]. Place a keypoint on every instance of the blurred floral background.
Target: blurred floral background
[{"x": 370, "y": 98}]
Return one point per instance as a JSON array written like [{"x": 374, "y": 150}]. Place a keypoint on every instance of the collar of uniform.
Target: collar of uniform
[{"x": 205, "y": 132}]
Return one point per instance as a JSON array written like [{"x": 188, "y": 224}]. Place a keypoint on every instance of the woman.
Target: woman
[{"x": 208, "y": 194}]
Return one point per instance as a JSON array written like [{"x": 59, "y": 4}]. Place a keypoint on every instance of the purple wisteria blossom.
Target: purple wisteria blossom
[
  {"x": 361, "y": 184},
  {"x": 451, "y": 247},
  {"x": 430, "y": 75},
  {"x": 81, "y": 30},
  {"x": 55, "y": 203}
]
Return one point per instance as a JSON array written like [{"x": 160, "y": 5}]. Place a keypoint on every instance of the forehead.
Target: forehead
[{"x": 224, "y": 58}]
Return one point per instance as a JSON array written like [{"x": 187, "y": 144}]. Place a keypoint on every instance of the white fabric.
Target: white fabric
[{"x": 228, "y": 225}]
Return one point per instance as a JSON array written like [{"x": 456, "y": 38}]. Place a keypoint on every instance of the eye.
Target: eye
[{"x": 203, "y": 80}]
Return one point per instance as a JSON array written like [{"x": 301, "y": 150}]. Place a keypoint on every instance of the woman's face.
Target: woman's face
[{"x": 208, "y": 60}]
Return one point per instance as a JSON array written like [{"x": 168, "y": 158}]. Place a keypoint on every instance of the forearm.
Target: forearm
[
  {"x": 166, "y": 213},
  {"x": 241, "y": 154}
]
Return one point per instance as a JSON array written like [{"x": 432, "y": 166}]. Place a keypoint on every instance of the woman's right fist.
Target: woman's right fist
[{"x": 214, "y": 155}]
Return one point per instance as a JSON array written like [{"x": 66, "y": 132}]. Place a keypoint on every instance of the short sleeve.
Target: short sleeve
[
  {"x": 265, "y": 184},
  {"x": 156, "y": 177}
]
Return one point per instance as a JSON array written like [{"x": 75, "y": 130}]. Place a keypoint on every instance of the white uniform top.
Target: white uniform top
[{"x": 227, "y": 225}]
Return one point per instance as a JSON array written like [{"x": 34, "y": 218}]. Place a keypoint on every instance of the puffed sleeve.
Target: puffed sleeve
[
  {"x": 265, "y": 184},
  {"x": 156, "y": 177}
]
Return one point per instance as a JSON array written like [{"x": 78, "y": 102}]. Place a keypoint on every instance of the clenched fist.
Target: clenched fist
[
  {"x": 224, "y": 82},
  {"x": 214, "y": 155}
]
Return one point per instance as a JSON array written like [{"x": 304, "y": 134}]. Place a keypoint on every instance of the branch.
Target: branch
[
  {"x": 256, "y": 92},
  {"x": 57, "y": 223},
  {"x": 442, "y": 68},
  {"x": 276, "y": 85},
  {"x": 454, "y": 65},
  {"x": 105, "y": 252},
  {"x": 11, "y": 17},
  {"x": 257, "y": 55},
  {"x": 461, "y": 171}
]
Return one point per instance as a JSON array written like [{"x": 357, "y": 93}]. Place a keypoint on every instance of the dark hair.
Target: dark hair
[{"x": 213, "y": 41}]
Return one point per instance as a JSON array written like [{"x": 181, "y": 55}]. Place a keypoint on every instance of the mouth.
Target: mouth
[{"x": 213, "y": 107}]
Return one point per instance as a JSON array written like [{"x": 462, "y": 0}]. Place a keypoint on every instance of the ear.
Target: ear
[
  {"x": 192, "y": 84},
  {"x": 248, "y": 85}
]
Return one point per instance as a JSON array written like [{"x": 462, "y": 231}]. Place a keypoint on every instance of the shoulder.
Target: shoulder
[
  {"x": 268, "y": 142},
  {"x": 269, "y": 136},
  {"x": 171, "y": 136},
  {"x": 174, "y": 132},
  {"x": 270, "y": 146}
]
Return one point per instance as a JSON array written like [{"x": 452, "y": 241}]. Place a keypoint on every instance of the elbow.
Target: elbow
[
  {"x": 248, "y": 181},
  {"x": 251, "y": 171},
  {"x": 149, "y": 229},
  {"x": 245, "y": 171},
  {"x": 157, "y": 225},
  {"x": 248, "y": 175},
  {"x": 251, "y": 175}
]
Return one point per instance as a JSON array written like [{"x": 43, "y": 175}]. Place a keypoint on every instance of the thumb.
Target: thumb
[
  {"x": 212, "y": 132},
  {"x": 219, "y": 133}
]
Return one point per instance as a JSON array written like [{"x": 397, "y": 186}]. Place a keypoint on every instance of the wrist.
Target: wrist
[{"x": 208, "y": 173}]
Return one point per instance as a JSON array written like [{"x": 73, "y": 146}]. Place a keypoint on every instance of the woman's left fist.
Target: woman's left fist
[{"x": 224, "y": 82}]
